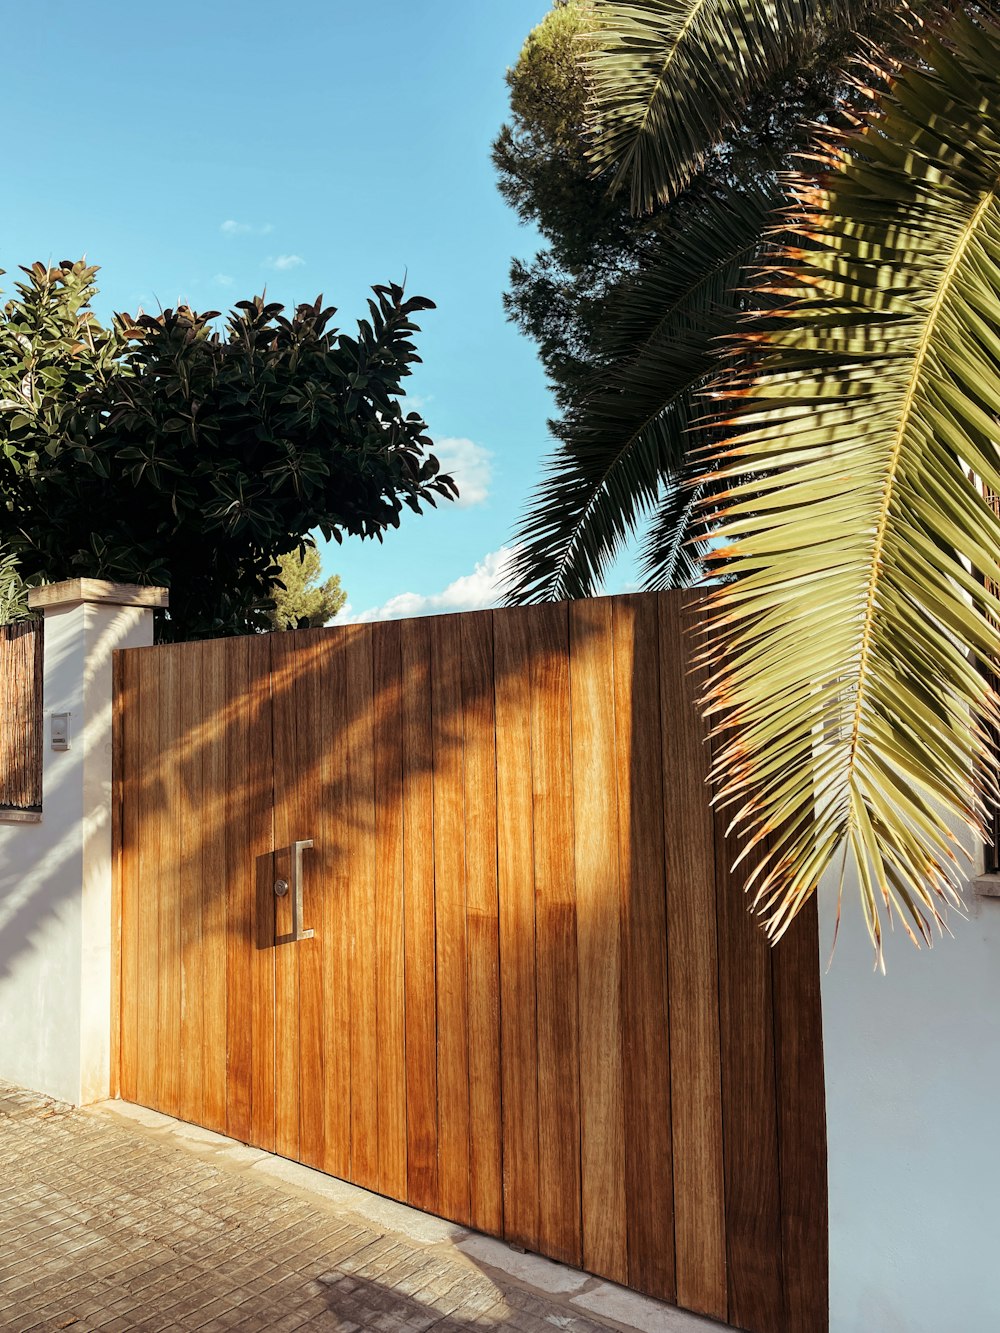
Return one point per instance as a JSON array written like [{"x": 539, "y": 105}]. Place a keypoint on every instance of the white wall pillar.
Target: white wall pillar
[
  {"x": 913, "y": 1119},
  {"x": 55, "y": 869}
]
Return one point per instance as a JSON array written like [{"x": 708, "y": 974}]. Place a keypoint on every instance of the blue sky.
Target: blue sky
[{"x": 202, "y": 149}]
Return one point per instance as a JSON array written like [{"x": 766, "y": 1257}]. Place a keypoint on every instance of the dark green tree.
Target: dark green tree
[
  {"x": 164, "y": 451},
  {"x": 591, "y": 237},
  {"x": 634, "y": 294}
]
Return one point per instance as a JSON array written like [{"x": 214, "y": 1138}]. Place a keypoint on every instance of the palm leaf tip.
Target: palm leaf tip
[
  {"x": 854, "y": 605},
  {"x": 669, "y": 78}
]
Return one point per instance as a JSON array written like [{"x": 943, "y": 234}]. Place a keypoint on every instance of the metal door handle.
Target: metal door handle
[
  {"x": 282, "y": 886},
  {"x": 297, "y": 849}
]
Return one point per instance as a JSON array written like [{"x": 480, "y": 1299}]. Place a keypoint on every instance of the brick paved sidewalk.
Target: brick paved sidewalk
[{"x": 116, "y": 1224}]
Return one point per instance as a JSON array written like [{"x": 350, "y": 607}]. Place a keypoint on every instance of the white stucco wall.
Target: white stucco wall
[
  {"x": 55, "y": 876},
  {"x": 913, "y": 1108}
]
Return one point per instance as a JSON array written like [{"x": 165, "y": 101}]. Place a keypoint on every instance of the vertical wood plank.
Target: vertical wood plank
[
  {"x": 418, "y": 871},
  {"x": 148, "y": 885},
  {"x": 693, "y": 972},
  {"x": 168, "y": 1028},
  {"x": 450, "y": 919},
  {"x": 648, "y": 1152},
  {"x": 364, "y": 1015},
  {"x": 749, "y": 1101},
  {"x": 215, "y": 777},
  {"x": 241, "y": 886},
  {"x": 483, "y": 939},
  {"x": 599, "y": 939},
  {"x": 559, "y": 1132},
  {"x": 262, "y": 1033},
  {"x": 335, "y": 835},
  {"x": 286, "y": 951},
  {"x": 307, "y": 776},
  {"x": 130, "y": 874},
  {"x": 391, "y": 1011},
  {"x": 515, "y": 870},
  {"x": 191, "y": 818},
  {"x": 798, "y": 1028},
  {"x": 261, "y": 867},
  {"x": 167, "y": 925},
  {"x": 117, "y": 751}
]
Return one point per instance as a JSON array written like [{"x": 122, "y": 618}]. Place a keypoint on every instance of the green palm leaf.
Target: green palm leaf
[
  {"x": 851, "y": 718},
  {"x": 670, "y": 77},
  {"x": 629, "y": 437},
  {"x": 675, "y": 545}
]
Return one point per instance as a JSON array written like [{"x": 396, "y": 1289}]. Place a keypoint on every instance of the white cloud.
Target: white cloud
[
  {"x": 233, "y": 228},
  {"x": 222, "y": 280},
  {"x": 283, "y": 262},
  {"x": 469, "y": 463},
  {"x": 472, "y": 592}
]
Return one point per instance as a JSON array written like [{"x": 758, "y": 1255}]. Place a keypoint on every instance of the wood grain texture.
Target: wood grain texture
[
  {"x": 240, "y": 884},
  {"x": 798, "y": 1034},
  {"x": 258, "y": 928},
  {"x": 287, "y": 823},
  {"x": 483, "y": 930},
  {"x": 693, "y": 975},
  {"x": 168, "y": 972},
  {"x": 450, "y": 919},
  {"x": 418, "y": 876},
  {"x": 598, "y": 898},
  {"x": 306, "y": 778},
  {"x": 262, "y": 1034},
  {"x": 389, "y": 946},
  {"x": 147, "y": 893},
  {"x": 559, "y": 1224},
  {"x": 130, "y": 705},
  {"x": 332, "y": 815},
  {"x": 216, "y": 776},
  {"x": 749, "y": 1101},
  {"x": 646, "y": 1042},
  {"x": 515, "y": 869},
  {"x": 361, "y": 857},
  {"x": 188, "y": 816}
]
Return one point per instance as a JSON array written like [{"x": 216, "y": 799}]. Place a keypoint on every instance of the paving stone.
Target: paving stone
[{"x": 119, "y": 1219}]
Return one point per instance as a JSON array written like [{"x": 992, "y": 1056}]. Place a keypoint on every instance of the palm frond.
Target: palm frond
[
  {"x": 670, "y": 77},
  {"x": 851, "y": 717},
  {"x": 676, "y": 542},
  {"x": 630, "y": 434}
]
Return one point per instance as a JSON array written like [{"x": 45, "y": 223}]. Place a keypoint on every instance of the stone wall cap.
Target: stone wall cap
[{"x": 73, "y": 591}]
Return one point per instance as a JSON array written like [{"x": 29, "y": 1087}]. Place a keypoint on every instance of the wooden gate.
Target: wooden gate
[{"x": 529, "y": 997}]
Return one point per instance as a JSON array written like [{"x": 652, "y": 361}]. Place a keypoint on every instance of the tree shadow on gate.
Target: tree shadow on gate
[{"x": 532, "y": 998}]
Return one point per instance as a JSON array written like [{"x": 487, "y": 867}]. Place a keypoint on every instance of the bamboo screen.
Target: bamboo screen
[{"x": 21, "y": 716}]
